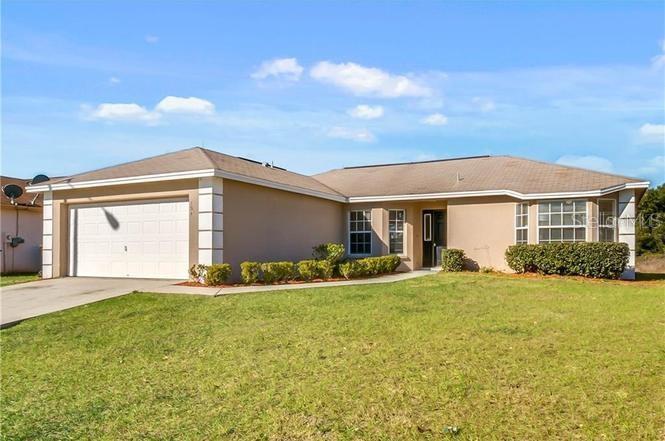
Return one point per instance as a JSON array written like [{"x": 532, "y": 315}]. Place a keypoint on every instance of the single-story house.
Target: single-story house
[
  {"x": 156, "y": 217},
  {"x": 20, "y": 220}
]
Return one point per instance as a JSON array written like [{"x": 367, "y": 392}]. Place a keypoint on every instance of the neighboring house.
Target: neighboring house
[
  {"x": 24, "y": 220},
  {"x": 156, "y": 217}
]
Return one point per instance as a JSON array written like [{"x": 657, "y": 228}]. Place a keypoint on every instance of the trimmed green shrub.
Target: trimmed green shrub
[
  {"x": 452, "y": 260},
  {"x": 217, "y": 273},
  {"x": 197, "y": 272},
  {"x": 591, "y": 259},
  {"x": 250, "y": 272},
  {"x": 274, "y": 272},
  {"x": 308, "y": 269},
  {"x": 332, "y": 252},
  {"x": 369, "y": 266},
  {"x": 325, "y": 269},
  {"x": 349, "y": 269}
]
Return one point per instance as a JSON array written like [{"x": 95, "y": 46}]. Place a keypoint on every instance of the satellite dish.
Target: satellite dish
[
  {"x": 39, "y": 179},
  {"x": 12, "y": 191}
]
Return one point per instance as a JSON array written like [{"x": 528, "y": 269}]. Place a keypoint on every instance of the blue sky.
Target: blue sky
[{"x": 313, "y": 86}]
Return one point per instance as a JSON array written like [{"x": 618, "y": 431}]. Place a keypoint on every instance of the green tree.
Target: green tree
[{"x": 651, "y": 222}]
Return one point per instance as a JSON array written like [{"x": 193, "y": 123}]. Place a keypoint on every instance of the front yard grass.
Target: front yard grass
[
  {"x": 500, "y": 357},
  {"x": 13, "y": 278}
]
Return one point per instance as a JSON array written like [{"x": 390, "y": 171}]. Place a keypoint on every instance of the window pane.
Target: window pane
[
  {"x": 580, "y": 219},
  {"x": 568, "y": 206},
  {"x": 543, "y": 219},
  {"x": 544, "y": 234},
  {"x": 556, "y": 219},
  {"x": 567, "y": 219},
  {"x": 580, "y": 234},
  {"x": 555, "y": 207},
  {"x": 544, "y": 208},
  {"x": 555, "y": 234},
  {"x": 580, "y": 206},
  {"x": 401, "y": 214},
  {"x": 568, "y": 235}
]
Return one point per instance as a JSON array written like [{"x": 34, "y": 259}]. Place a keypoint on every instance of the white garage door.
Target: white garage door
[{"x": 142, "y": 240}]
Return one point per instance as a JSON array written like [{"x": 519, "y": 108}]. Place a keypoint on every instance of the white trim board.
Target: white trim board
[
  {"x": 511, "y": 193},
  {"x": 338, "y": 198}
]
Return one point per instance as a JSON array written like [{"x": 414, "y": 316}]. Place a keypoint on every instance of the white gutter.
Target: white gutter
[
  {"x": 63, "y": 185},
  {"x": 511, "y": 193}
]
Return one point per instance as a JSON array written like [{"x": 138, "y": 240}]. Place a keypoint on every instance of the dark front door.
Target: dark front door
[{"x": 434, "y": 236}]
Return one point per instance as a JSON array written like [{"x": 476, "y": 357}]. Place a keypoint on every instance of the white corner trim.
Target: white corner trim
[
  {"x": 511, "y": 193},
  {"x": 121, "y": 181},
  {"x": 279, "y": 186}
]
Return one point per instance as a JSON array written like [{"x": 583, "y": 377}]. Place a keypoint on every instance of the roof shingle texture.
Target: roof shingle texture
[
  {"x": 476, "y": 174},
  {"x": 198, "y": 158}
]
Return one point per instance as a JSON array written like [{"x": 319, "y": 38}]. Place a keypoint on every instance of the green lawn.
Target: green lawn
[
  {"x": 500, "y": 357},
  {"x": 12, "y": 278}
]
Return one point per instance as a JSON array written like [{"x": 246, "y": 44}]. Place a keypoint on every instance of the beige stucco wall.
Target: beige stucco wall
[
  {"x": 412, "y": 257},
  {"x": 63, "y": 199},
  {"x": 483, "y": 228},
  {"x": 27, "y": 256},
  {"x": 264, "y": 224}
]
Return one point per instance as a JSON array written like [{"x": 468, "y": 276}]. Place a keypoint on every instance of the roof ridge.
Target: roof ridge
[
  {"x": 573, "y": 167},
  {"x": 204, "y": 151},
  {"x": 64, "y": 178},
  {"x": 258, "y": 164},
  {"x": 459, "y": 158}
]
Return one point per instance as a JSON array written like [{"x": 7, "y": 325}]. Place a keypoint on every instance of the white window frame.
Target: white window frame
[
  {"x": 369, "y": 210},
  {"x": 614, "y": 217},
  {"x": 403, "y": 230},
  {"x": 427, "y": 223},
  {"x": 524, "y": 227},
  {"x": 549, "y": 227}
]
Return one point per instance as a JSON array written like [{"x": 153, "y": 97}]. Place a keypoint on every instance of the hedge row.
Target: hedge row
[
  {"x": 591, "y": 259},
  {"x": 215, "y": 274},
  {"x": 369, "y": 266},
  {"x": 308, "y": 270}
]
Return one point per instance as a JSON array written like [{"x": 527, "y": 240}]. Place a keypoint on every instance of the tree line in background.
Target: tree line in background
[{"x": 651, "y": 222}]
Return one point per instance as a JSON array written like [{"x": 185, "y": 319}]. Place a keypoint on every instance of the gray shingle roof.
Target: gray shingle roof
[{"x": 484, "y": 173}]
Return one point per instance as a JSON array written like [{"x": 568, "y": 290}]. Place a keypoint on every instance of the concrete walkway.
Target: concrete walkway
[
  {"x": 25, "y": 300},
  {"x": 177, "y": 289}
]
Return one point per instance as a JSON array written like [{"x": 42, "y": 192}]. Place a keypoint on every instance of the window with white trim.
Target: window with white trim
[
  {"x": 562, "y": 221},
  {"x": 607, "y": 220},
  {"x": 396, "y": 230},
  {"x": 360, "y": 232},
  {"x": 522, "y": 223}
]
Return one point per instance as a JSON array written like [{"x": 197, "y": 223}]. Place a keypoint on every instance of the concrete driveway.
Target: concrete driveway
[{"x": 25, "y": 300}]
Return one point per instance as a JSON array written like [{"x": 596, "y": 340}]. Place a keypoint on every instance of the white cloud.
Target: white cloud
[
  {"x": 659, "y": 60},
  {"x": 123, "y": 112},
  {"x": 364, "y": 111},
  {"x": 114, "y": 80},
  {"x": 359, "y": 135},
  {"x": 652, "y": 133},
  {"x": 286, "y": 68},
  {"x": 435, "y": 119},
  {"x": 152, "y": 39},
  {"x": 655, "y": 167},
  {"x": 484, "y": 104},
  {"x": 367, "y": 81},
  {"x": 176, "y": 104},
  {"x": 588, "y": 162}
]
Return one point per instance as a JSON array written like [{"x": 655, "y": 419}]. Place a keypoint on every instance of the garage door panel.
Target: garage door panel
[{"x": 148, "y": 239}]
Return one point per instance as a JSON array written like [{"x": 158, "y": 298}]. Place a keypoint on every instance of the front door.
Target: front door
[{"x": 434, "y": 236}]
